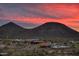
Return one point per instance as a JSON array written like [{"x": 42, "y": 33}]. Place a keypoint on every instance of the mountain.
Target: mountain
[
  {"x": 11, "y": 26},
  {"x": 47, "y": 31},
  {"x": 55, "y": 30},
  {"x": 11, "y": 30}
]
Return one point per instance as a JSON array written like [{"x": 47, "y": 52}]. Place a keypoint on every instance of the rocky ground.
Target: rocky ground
[{"x": 24, "y": 48}]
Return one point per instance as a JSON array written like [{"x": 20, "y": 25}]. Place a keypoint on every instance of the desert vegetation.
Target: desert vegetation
[{"x": 10, "y": 47}]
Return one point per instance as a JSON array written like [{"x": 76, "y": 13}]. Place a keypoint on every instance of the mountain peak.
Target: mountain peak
[
  {"x": 10, "y": 25},
  {"x": 55, "y": 27},
  {"x": 53, "y": 23}
]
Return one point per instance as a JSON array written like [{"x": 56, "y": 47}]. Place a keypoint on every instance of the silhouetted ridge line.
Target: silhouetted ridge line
[
  {"x": 54, "y": 25},
  {"x": 47, "y": 31},
  {"x": 11, "y": 24}
]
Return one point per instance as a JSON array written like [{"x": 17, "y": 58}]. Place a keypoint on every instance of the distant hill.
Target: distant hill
[
  {"x": 11, "y": 26},
  {"x": 54, "y": 30},
  {"x": 48, "y": 31},
  {"x": 11, "y": 30}
]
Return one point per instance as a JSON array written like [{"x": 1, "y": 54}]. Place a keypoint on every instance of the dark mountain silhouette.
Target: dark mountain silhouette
[
  {"x": 49, "y": 31},
  {"x": 55, "y": 30},
  {"x": 12, "y": 30},
  {"x": 11, "y": 26}
]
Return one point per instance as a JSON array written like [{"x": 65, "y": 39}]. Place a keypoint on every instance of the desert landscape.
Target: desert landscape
[
  {"x": 39, "y": 29},
  {"x": 49, "y": 39}
]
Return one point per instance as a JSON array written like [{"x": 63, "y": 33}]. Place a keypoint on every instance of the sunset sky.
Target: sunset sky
[{"x": 33, "y": 15}]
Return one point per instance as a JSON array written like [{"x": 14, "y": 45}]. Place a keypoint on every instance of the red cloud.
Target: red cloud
[
  {"x": 63, "y": 13},
  {"x": 61, "y": 10}
]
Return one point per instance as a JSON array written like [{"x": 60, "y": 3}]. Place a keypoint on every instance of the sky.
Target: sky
[{"x": 31, "y": 15}]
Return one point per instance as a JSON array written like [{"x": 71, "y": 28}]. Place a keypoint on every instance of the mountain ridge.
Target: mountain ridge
[{"x": 50, "y": 30}]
